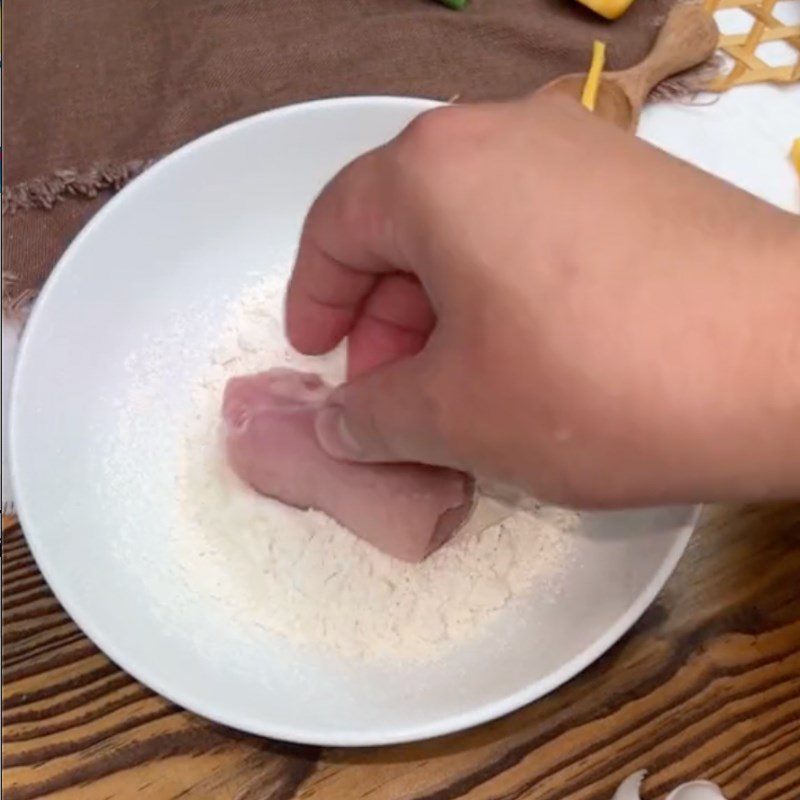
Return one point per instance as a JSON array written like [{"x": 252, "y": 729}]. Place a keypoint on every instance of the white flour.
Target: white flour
[{"x": 299, "y": 574}]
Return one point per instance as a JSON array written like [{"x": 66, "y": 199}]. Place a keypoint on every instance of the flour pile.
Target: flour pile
[{"x": 299, "y": 574}]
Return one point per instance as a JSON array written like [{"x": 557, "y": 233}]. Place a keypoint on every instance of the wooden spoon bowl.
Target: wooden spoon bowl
[
  {"x": 612, "y": 101},
  {"x": 688, "y": 37}
]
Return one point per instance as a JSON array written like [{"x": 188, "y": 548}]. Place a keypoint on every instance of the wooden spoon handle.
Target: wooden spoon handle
[{"x": 687, "y": 38}]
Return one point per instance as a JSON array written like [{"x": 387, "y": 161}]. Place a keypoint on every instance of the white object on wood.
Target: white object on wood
[{"x": 693, "y": 790}]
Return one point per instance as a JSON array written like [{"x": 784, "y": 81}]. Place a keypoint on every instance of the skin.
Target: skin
[{"x": 540, "y": 299}]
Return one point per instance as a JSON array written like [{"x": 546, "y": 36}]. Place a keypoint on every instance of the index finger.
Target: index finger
[{"x": 347, "y": 243}]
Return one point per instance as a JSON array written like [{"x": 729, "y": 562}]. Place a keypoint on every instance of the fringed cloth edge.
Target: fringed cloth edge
[{"x": 44, "y": 193}]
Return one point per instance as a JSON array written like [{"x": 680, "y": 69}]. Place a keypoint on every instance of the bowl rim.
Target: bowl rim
[{"x": 127, "y": 660}]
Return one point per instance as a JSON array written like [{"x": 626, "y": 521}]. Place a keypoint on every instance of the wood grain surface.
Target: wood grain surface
[{"x": 706, "y": 685}]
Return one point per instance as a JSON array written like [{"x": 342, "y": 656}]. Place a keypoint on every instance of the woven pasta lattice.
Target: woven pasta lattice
[{"x": 742, "y": 48}]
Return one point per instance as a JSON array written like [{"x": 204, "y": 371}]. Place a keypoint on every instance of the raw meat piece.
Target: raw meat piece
[{"x": 406, "y": 510}]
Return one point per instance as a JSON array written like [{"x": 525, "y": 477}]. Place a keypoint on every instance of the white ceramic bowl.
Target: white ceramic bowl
[{"x": 185, "y": 235}]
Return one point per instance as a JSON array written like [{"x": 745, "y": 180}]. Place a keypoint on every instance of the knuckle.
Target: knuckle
[
  {"x": 432, "y": 155},
  {"x": 433, "y": 134}
]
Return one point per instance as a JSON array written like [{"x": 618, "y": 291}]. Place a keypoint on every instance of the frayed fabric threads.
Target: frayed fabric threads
[
  {"x": 16, "y": 303},
  {"x": 686, "y": 85},
  {"x": 44, "y": 193}
]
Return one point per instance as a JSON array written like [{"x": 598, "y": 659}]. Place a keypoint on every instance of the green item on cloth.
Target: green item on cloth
[{"x": 457, "y": 4}]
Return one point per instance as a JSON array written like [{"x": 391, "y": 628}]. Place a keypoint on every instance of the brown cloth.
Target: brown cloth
[{"x": 116, "y": 83}]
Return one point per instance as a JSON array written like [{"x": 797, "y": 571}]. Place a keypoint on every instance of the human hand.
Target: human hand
[{"x": 535, "y": 297}]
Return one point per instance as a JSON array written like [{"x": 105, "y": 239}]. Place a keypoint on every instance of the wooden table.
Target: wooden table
[{"x": 706, "y": 685}]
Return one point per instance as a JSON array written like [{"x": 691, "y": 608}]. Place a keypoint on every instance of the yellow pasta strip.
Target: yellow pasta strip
[
  {"x": 795, "y": 154},
  {"x": 589, "y": 96}
]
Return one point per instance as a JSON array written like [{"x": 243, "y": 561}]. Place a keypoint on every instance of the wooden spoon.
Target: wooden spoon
[{"x": 687, "y": 38}]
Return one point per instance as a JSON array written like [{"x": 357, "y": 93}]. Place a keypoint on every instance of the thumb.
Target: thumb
[{"x": 387, "y": 415}]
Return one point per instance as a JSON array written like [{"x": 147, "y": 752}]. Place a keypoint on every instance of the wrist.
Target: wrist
[{"x": 746, "y": 427}]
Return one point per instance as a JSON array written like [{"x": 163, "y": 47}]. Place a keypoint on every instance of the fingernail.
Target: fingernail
[{"x": 333, "y": 434}]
